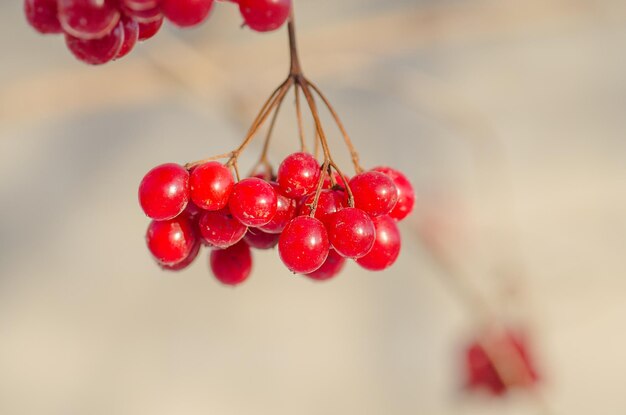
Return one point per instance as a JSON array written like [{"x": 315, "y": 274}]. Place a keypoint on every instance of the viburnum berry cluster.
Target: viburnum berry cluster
[
  {"x": 316, "y": 215},
  {"x": 315, "y": 221},
  {"x": 99, "y": 31}
]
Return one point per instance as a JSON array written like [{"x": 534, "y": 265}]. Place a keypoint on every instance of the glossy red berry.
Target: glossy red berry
[
  {"x": 332, "y": 266},
  {"x": 231, "y": 266},
  {"x": 298, "y": 175},
  {"x": 351, "y": 232},
  {"x": 186, "y": 13},
  {"x": 220, "y": 229},
  {"x": 264, "y": 15},
  {"x": 253, "y": 202},
  {"x": 329, "y": 202},
  {"x": 210, "y": 185},
  {"x": 303, "y": 246},
  {"x": 374, "y": 193},
  {"x": 131, "y": 36},
  {"x": 97, "y": 51},
  {"x": 406, "y": 194},
  {"x": 171, "y": 241},
  {"x": 148, "y": 30},
  {"x": 139, "y": 4},
  {"x": 164, "y": 191},
  {"x": 258, "y": 239},
  {"x": 285, "y": 211},
  {"x": 144, "y": 15},
  {"x": 192, "y": 210},
  {"x": 42, "y": 15},
  {"x": 185, "y": 262},
  {"x": 88, "y": 19},
  {"x": 386, "y": 246}
]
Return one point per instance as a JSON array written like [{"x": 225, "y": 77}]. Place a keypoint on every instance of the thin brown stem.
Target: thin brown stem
[
  {"x": 282, "y": 90},
  {"x": 263, "y": 160},
  {"x": 328, "y": 160},
  {"x": 316, "y": 118},
  {"x": 295, "y": 68},
  {"x": 318, "y": 189},
  {"x": 346, "y": 185},
  {"x": 267, "y": 103},
  {"x": 193, "y": 164},
  {"x": 316, "y": 144},
  {"x": 299, "y": 118},
  {"x": 353, "y": 153},
  {"x": 262, "y": 115},
  {"x": 236, "y": 169}
]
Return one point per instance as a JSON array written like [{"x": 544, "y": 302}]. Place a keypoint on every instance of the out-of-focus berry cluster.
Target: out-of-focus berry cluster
[{"x": 99, "y": 31}]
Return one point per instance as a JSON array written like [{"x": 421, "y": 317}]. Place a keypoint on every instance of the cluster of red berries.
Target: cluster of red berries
[
  {"x": 99, "y": 31},
  {"x": 498, "y": 362},
  {"x": 317, "y": 220}
]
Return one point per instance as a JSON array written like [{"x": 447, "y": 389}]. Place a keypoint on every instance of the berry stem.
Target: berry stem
[
  {"x": 236, "y": 169},
  {"x": 273, "y": 100},
  {"x": 295, "y": 69},
  {"x": 193, "y": 164},
  {"x": 318, "y": 190},
  {"x": 353, "y": 153},
  {"x": 328, "y": 160},
  {"x": 316, "y": 144},
  {"x": 299, "y": 118},
  {"x": 263, "y": 160},
  {"x": 270, "y": 104}
]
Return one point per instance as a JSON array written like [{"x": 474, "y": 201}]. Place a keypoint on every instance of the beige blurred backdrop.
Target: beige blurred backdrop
[{"x": 508, "y": 116}]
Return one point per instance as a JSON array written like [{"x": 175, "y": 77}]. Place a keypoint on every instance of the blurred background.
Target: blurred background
[{"x": 508, "y": 117}]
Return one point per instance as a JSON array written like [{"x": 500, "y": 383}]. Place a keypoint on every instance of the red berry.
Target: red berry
[
  {"x": 303, "y": 246},
  {"x": 139, "y": 4},
  {"x": 513, "y": 359},
  {"x": 164, "y": 191},
  {"x": 253, "y": 202},
  {"x": 386, "y": 247},
  {"x": 374, "y": 193},
  {"x": 298, "y": 175},
  {"x": 131, "y": 35},
  {"x": 285, "y": 211},
  {"x": 338, "y": 181},
  {"x": 258, "y": 239},
  {"x": 97, "y": 51},
  {"x": 185, "y": 262},
  {"x": 406, "y": 194},
  {"x": 329, "y": 202},
  {"x": 88, "y": 19},
  {"x": 351, "y": 232},
  {"x": 171, "y": 241},
  {"x": 220, "y": 229},
  {"x": 192, "y": 210},
  {"x": 231, "y": 266},
  {"x": 331, "y": 267},
  {"x": 43, "y": 15},
  {"x": 264, "y": 15},
  {"x": 146, "y": 15},
  {"x": 186, "y": 13},
  {"x": 148, "y": 30},
  {"x": 210, "y": 185}
]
